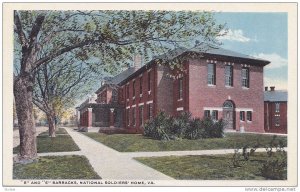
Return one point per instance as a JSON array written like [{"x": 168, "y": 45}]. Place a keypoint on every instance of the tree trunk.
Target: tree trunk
[
  {"x": 23, "y": 87},
  {"x": 51, "y": 124}
]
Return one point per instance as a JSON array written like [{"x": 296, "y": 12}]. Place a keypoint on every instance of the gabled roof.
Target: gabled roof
[
  {"x": 275, "y": 96},
  {"x": 123, "y": 75}
]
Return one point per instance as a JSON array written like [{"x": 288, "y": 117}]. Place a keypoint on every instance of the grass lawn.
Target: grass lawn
[
  {"x": 217, "y": 167},
  {"x": 56, "y": 167},
  {"x": 59, "y": 131},
  {"x": 137, "y": 142},
  {"x": 58, "y": 144}
]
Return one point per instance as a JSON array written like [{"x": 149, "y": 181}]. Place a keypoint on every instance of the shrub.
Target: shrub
[
  {"x": 195, "y": 130},
  {"x": 164, "y": 127},
  {"x": 181, "y": 124},
  {"x": 275, "y": 167},
  {"x": 159, "y": 127}
]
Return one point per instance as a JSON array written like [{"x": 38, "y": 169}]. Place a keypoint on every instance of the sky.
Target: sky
[{"x": 262, "y": 35}]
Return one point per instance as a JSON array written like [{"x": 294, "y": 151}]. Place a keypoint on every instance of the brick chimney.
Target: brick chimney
[
  {"x": 272, "y": 88},
  {"x": 137, "y": 61},
  {"x": 266, "y": 88}
]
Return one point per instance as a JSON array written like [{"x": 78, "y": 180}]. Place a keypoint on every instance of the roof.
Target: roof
[
  {"x": 123, "y": 75},
  {"x": 218, "y": 51},
  {"x": 275, "y": 96}
]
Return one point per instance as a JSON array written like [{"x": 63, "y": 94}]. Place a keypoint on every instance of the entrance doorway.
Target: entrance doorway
[{"x": 229, "y": 115}]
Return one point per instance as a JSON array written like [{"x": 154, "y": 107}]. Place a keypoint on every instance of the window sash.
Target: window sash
[
  {"x": 245, "y": 77},
  {"x": 150, "y": 111},
  {"x": 214, "y": 115},
  {"x": 242, "y": 115},
  {"x": 180, "y": 88},
  {"x": 141, "y": 85},
  {"x": 141, "y": 114},
  {"x": 133, "y": 117},
  {"x": 228, "y": 75},
  {"x": 211, "y": 74},
  {"x": 277, "y": 107},
  {"x": 249, "y": 116},
  {"x": 207, "y": 113},
  {"x": 149, "y": 81}
]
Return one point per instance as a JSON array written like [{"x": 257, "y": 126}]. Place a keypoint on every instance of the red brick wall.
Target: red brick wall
[
  {"x": 184, "y": 102},
  {"x": 269, "y": 116},
  {"x": 133, "y": 103},
  {"x": 201, "y": 95},
  {"x": 164, "y": 90}
]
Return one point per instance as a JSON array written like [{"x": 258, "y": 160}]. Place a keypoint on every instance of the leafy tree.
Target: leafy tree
[
  {"x": 111, "y": 36},
  {"x": 58, "y": 85}
]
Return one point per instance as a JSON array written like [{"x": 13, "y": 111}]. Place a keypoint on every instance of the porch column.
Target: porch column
[
  {"x": 89, "y": 117},
  {"x": 111, "y": 118}
]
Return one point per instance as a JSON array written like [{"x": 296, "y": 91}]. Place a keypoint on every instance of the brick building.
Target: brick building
[
  {"x": 217, "y": 83},
  {"x": 275, "y": 107}
]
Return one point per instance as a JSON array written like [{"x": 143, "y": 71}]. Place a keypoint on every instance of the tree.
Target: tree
[
  {"x": 58, "y": 84},
  {"x": 112, "y": 36}
]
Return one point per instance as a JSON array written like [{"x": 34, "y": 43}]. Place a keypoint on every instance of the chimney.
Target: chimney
[
  {"x": 266, "y": 88},
  {"x": 272, "y": 88},
  {"x": 137, "y": 61}
]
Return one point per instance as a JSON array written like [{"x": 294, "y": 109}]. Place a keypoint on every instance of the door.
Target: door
[{"x": 229, "y": 115}]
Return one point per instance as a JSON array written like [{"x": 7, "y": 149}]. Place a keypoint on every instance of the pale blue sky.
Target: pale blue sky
[{"x": 262, "y": 35}]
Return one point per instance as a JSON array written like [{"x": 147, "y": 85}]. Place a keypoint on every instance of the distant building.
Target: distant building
[
  {"x": 275, "y": 110},
  {"x": 218, "y": 84}
]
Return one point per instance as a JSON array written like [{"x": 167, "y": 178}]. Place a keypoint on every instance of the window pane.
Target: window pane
[
  {"x": 249, "y": 116},
  {"x": 245, "y": 77},
  {"x": 228, "y": 75},
  {"x": 206, "y": 113},
  {"x": 180, "y": 88},
  {"x": 211, "y": 74}
]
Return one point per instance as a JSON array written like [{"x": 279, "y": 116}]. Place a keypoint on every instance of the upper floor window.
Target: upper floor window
[
  {"x": 141, "y": 85},
  {"x": 180, "y": 88},
  {"x": 277, "y": 107},
  {"x": 228, "y": 75},
  {"x": 127, "y": 91},
  {"x": 211, "y": 74},
  {"x": 245, "y": 77},
  {"x": 133, "y": 88},
  {"x": 149, "y": 81}
]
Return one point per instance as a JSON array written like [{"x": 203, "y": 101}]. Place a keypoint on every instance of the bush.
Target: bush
[
  {"x": 275, "y": 167},
  {"x": 159, "y": 127},
  {"x": 164, "y": 127}
]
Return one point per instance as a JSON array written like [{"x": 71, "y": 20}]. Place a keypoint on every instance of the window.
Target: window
[
  {"x": 277, "y": 121},
  {"x": 228, "y": 75},
  {"x": 127, "y": 91},
  {"x": 245, "y": 77},
  {"x": 214, "y": 115},
  {"x": 128, "y": 117},
  {"x": 150, "y": 110},
  {"x": 141, "y": 85},
  {"x": 206, "y": 113},
  {"x": 180, "y": 88},
  {"x": 133, "y": 88},
  {"x": 277, "y": 107},
  {"x": 149, "y": 81},
  {"x": 133, "y": 116},
  {"x": 242, "y": 115},
  {"x": 211, "y": 74},
  {"x": 249, "y": 115},
  {"x": 141, "y": 115}
]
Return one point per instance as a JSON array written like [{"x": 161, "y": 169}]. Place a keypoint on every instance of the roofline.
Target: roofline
[{"x": 237, "y": 59}]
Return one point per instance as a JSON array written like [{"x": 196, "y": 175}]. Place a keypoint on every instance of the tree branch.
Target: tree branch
[{"x": 19, "y": 30}]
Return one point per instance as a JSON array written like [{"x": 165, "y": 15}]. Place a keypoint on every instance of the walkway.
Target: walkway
[{"x": 110, "y": 164}]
